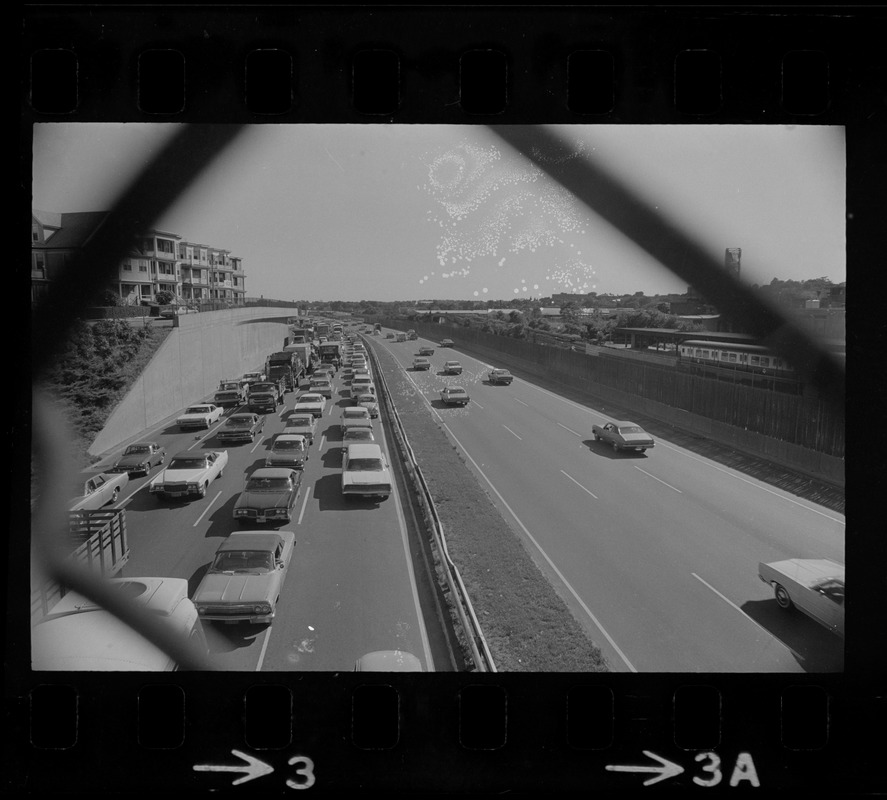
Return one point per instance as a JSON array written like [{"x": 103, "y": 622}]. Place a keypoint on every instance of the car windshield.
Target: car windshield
[
  {"x": 268, "y": 484},
  {"x": 366, "y": 398},
  {"x": 251, "y": 562},
  {"x": 361, "y": 434},
  {"x": 630, "y": 429},
  {"x": 365, "y": 465},
  {"x": 310, "y": 398},
  {"x": 239, "y": 422},
  {"x": 354, "y": 413},
  {"x": 193, "y": 462},
  {"x": 287, "y": 444},
  {"x": 134, "y": 449},
  {"x": 299, "y": 421}
]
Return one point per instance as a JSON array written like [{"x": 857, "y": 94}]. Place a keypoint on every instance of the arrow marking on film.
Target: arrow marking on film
[
  {"x": 254, "y": 768},
  {"x": 666, "y": 769}
]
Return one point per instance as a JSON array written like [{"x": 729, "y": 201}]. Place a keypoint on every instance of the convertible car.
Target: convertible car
[
  {"x": 244, "y": 581},
  {"x": 814, "y": 586},
  {"x": 623, "y": 436}
]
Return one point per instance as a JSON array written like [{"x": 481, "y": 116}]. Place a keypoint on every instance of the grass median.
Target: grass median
[{"x": 527, "y": 625}]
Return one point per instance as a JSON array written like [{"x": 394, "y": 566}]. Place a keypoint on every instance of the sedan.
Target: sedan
[
  {"x": 321, "y": 386},
  {"x": 813, "y": 586},
  {"x": 355, "y": 417},
  {"x": 311, "y": 403},
  {"x": 452, "y": 368},
  {"x": 370, "y": 403},
  {"x": 357, "y": 436},
  {"x": 421, "y": 363},
  {"x": 288, "y": 450},
  {"x": 623, "y": 436},
  {"x": 200, "y": 416},
  {"x": 301, "y": 425},
  {"x": 269, "y": 495},
  {"x": 454, "y": 396},
  {"x": 500, "y": 377},
  {"x": 241, "y": 427},
  {"x": 140, "y": 458},
  {"x": 244, "y": 581},
  {"x": 446, "y": 342},
  {"x": 190, "y": 472},
  {"x": 426, "y": 351}
]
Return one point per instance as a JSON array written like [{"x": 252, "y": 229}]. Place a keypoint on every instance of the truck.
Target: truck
[
  {"x": 301, "y": 335},
  {"x": 231, "y": 392},
  {"x": 322, "y": 329},
  {"x": 412, "y": 335},
  {"x": 286, "y": 365},
  {"x": 329, "y": 351},
  {"x": 264, "y": 397},
  {"x": 99, "y": 490}
]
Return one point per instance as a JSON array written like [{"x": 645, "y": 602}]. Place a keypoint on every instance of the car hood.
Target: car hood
[
  {"x": 262, "y": 500},
  {"x": 201, "y": 415},
  {"x": 309, "y": 404},
  {"x": 220, "y": 588},
  {"x": 179, "y": 475}
]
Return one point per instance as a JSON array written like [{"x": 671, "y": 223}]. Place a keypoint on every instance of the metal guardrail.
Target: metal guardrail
[{"x": 462, "y": 606}]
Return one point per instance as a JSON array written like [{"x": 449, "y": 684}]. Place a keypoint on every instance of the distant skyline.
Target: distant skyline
[{"x": 394, "y": 212}]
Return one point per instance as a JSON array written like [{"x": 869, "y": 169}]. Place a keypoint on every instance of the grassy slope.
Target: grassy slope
[{"x": 527, "y": 625}]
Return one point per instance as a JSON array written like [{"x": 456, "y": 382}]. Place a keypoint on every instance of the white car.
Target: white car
[
  {"x": 311, "y": 403},
  {"x": 190, "y": 472},
  {"x": 370, "y": 403},
  {"x": 200, "y": 416},
  {"x": 815, "y": 586},
  {"x": 301, "y": 425},
  {"x": 357, "y": 436},
  {"x": 360, "y": 385},
  {"x": 365, "y": 472},
  {"x": 321, "y": 386},
  {"x": 355, "y": 417}
]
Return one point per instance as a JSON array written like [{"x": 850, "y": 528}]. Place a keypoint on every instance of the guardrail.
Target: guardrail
[{"x": 460, "y": 602}]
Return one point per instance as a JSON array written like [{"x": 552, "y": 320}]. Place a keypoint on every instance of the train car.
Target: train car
[{"x": 738, "y": 356}]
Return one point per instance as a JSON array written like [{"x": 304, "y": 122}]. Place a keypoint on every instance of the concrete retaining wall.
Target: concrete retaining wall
[{"x": 200, "y": 351}]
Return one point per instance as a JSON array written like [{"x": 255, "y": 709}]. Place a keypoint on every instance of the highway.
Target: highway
[
  {"x": 658, "y": 552},
  {"x": 350, "y": 588}
]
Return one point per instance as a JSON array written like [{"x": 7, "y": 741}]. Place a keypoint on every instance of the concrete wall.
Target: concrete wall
[{"x": 200, "y": 350}]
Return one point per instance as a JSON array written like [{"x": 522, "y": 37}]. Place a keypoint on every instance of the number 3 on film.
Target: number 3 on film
[
  {"x": 305, "y": 772},
  {"x": 743, "y": 770}
]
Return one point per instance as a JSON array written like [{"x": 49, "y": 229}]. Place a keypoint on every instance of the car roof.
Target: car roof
[
  {"x": 288, "y": 437},
  {"x": 625, "y": 423}
]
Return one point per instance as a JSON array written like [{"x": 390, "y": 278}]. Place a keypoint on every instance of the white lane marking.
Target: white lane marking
[
  {"x": 207, "y": 509},
  {"x": 304, "y": 503},
  {"x": 580, "y": 485},
  {"x": 264, "y": 648},
  {"x": 737, "y": 608},
  {"x": 658, "y": 479},
  {"x": 512, "y": 432},
  {"x": 536, "y": 544},
  {"x": 570, "y": 430},
  {"x": 477, "y": 405},
  {"x": 521, "y": 402},
  {"x": 256, "y": 444}
]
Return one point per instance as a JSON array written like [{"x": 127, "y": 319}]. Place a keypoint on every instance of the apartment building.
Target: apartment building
[{"x": 159, "y": 261}]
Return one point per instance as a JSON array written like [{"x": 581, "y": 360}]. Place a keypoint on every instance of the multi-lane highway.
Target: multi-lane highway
[
  {"x": 657, "y": 554},
  {"x": 350, "y": 588}
]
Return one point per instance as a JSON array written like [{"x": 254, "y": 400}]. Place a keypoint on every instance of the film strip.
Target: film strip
[{"x": 462, "y": 732}]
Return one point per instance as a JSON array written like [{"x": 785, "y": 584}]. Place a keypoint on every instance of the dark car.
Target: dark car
[
  {"x": 140, "y": 457},
  {"x": 269, "y": 495},
  {"x": 500, "y": 377},
  {"x": 623, "y": 436},
  {"x": 241, "y": 427}
]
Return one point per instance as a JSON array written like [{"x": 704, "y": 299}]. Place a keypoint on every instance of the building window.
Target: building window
[{"x": 165, "y": 246}]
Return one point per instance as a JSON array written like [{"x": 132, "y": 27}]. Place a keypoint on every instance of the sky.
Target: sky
[{"x": 411, "y": 212}]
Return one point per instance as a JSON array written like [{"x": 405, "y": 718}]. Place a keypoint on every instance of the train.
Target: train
[{"x": 744, "y": 362}]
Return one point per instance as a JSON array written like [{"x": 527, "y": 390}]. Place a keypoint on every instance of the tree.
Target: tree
[{"x": 164, "y": 297}]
